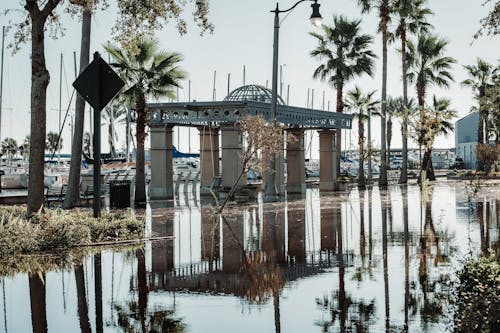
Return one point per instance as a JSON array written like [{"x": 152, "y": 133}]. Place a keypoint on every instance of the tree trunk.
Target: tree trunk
[
  {"x": 427, "y": 165},
  {"x": 340, "y": 108},
  {"x": 72, "y": 197},
  {"x": 384, "y": 12},
  {"x": 39, "y": 81},
  {"x": 403, "y": 177},
  {"x": 369, "y": 145},
  {"x": 140, "y": 177},
  {"x": 389, "y": 139},
  {"x": 361, "y": 142},
  {"x": 480, "y": 131}
]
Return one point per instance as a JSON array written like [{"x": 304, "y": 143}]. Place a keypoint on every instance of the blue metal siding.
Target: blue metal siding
[{"x": 466, "y": 129}]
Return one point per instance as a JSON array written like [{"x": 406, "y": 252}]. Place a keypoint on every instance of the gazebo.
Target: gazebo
[{"x": 218, "y": 118}]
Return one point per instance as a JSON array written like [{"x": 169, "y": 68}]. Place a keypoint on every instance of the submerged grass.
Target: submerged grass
[{"x": 55, "y": 230}]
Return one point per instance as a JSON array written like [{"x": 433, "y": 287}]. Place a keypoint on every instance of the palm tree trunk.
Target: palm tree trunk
[
  {"x": 480, "y": 131},
  {"x": 140, "y": 176},
  {"x": 384, "y": 13},
  {"x": 72, "y": 198},
  {"x": 403, "y": 177},
  {"x": 369, "y": 145},
  {"x": 427, "y": 164},
  {"x": 361, "y": 142},
  {"x": 340, "y": 108},
  {"x": 389, "y": 139},
  {"x": 39, "y": 81}
]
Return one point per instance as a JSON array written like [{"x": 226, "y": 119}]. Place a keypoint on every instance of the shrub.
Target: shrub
[
  {"x": 53, "y": 230},
  {"x": 478, "y": 296},
  {"x": 487, "y": 155}
]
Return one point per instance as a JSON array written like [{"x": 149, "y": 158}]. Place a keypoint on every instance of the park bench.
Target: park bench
[
  {"x": 88, "y": 193},
  {"x": 55, "y": 194}
]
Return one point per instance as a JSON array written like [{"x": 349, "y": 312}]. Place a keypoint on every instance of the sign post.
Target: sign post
[{"x": 98, "y": 84}]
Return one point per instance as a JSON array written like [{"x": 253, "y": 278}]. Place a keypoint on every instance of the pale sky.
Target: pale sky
[{"x": 243, "y": 36}]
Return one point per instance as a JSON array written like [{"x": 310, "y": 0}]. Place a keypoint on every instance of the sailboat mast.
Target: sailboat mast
[
  {"x": 1, "y": 80},
  {"x": 59, "y": 128}
]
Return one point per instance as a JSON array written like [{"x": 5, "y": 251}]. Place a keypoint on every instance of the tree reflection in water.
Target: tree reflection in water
[
  {"x": 134, "y": 316},
  {"x": 343, "y": 310},
  {"x": 431, "y": 296}
]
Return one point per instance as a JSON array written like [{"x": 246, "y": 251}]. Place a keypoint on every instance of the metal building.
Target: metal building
[{"x": 466, "y": 139}]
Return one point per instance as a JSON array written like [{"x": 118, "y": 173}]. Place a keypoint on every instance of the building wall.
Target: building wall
[
  {"x": 467, "y": 151},
  {"x": 466, "y": 139}
]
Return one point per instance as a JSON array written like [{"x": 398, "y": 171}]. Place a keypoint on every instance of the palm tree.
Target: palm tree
[
  {"x": 26, "y": 146},
  {"x": 149, "y": 72},
  {"x": 345, "y": 53},
  {"x": 53, "y": 142},
  {"x": 395, "y": 107},
  {"x": 112, "y": 116},
  {"x": 427, "y": 67},
  {"x": 86, "y": 143},
  {"x": 480, "y": 78},
  {"x": 72, "y": 197},
  {"x": 411, "y": 19},
  {"x": 436, "y": 120},
  {"x": 9, "y": 146},
  {"x": 357, "y": 101},
  {"x": 384, "y": 14}
]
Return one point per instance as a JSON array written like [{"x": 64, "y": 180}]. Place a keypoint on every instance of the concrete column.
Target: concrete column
[
  {"x": 209, "y": 155},
  {"x": 327, "y": 160},
  {"x": 231, "y": 139},
  {"x": 296, "y": 174},
  {"x": 279, "y": 171},
  {"x": 161, "y": 186}
]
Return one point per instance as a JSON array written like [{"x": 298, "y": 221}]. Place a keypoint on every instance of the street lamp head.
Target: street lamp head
[{"x": 316, "y": 17}]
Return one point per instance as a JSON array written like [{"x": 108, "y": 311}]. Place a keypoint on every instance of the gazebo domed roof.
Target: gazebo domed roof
[{"x": 252, "y": 92}]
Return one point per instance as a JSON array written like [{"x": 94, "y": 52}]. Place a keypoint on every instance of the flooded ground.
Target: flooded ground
[{"x": 370, "y": 261}]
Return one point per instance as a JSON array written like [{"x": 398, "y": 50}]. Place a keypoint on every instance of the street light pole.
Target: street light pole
[{"x": 270, "y": 193}]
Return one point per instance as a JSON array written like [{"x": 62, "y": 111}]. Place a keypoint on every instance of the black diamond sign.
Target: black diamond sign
[{"x": 98, "y": 83}]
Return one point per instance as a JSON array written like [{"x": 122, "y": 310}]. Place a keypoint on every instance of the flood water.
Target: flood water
[{"x": 370, "y": 261}]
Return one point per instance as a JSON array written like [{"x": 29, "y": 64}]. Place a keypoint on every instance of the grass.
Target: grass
[{"x": 55, "y": 230}]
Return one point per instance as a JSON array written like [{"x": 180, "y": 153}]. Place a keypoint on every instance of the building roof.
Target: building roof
[{"x": 252, "y": 92}]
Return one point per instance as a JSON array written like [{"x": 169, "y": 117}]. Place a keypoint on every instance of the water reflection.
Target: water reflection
[{"x": 367, "y": 261}]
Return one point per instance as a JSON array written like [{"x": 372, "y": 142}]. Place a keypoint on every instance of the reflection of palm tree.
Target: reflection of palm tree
[
  {"x": 362, "y": 240},
  {"x": 407, "y": 256},
  {"x": 351, "y": 313},
  {"x": 135, "y": 317},
  {"x": 98, "y": 293},
  {"x": 83, "y": 310},
  {"x": 386, "y": 275},
  {"x": 37, "y": 302}
]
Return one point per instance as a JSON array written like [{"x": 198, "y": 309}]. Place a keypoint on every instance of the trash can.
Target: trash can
[{"x": 119, "y": 193}]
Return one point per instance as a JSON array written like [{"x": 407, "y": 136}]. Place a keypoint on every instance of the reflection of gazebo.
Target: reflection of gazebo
[{"x": 213, "y": 117}]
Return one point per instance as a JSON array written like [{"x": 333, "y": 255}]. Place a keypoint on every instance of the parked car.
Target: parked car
[{"x": 458, "y": 163}]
